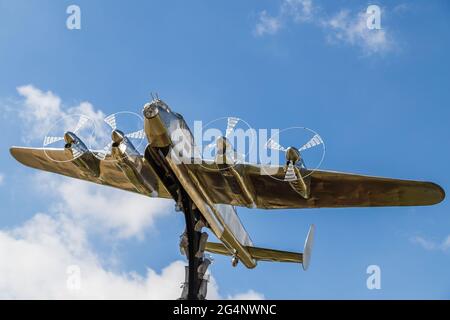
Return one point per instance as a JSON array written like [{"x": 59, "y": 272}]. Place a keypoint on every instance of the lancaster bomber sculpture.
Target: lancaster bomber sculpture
[{"x": 207, "y": 191}]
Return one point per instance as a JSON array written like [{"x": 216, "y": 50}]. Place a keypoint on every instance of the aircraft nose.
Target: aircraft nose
[{"x": 150, "y": 110}]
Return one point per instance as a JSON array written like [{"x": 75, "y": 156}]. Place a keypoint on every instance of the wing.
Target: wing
[
  {"x": 249, "y": 185},
  {"x": 108, "y": 173}
]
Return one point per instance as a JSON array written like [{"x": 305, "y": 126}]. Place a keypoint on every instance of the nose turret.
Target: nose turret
[
  {"x": 150, "y": 110},
  {"x": 155, "y": 128}
]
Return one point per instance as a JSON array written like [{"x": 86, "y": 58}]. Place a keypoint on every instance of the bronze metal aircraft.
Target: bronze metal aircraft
[{"x": 208, "y": 191}]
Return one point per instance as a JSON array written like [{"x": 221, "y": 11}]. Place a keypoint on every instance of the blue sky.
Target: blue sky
[{"x": 379, "y": 99}]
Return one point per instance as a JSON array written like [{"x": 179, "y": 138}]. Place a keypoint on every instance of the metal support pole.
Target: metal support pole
[{"x": 194, "y": 278}]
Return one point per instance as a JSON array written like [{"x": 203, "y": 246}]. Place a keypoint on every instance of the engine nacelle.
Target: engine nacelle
[
  {"x": 292, "y": 155},
  {"x": 225, "y": 153},
  {"x": 88, "y": 164},
  {"x": 132, "y": 164},
  {"x": 154, "y": 126}
]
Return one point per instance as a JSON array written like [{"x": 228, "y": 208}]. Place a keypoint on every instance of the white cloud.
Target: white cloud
[
  {"x": 130, "y": 214},
  {"x": 102, "y": 208},
  {"x": 249, "y": 295},
  {"x": 342, "y": 27},
  {"x": 345, "y": 27},
  {"x": 2, "y": 178},
  {"x": 298, "y": 10},
  {"x": 446, "y": 244},
  {"x": 41, "y": 110},
  {"x": 432, "y": 245},
  {"x": 424, "y": 243},
  {"x": 39, "y": 105},
  {"x": 267, "y": 24},
  {"x": 36, "y": 257}
]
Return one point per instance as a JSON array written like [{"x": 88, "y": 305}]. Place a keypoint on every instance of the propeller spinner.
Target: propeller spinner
[
  {"x": 293, "y": 155},
  {"x": 222, "y": 144},
  {"x": 231, "y": 124}
]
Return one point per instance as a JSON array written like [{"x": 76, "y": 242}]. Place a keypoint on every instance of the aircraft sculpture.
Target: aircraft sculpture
[{"x": 208, "y": 191}]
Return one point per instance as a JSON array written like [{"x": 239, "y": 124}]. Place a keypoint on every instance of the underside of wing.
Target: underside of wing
[
  {"x": 249, "y": 185},
  {"x": 90, "y": 168}
]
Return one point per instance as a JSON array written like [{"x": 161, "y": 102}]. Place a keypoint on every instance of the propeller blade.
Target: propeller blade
[
  {"x": 76, "y": 152},
  {"x": 111, "y": 121},
  {"x": 315, "y": 141},
  {"x": 302, "y": 163},
  {"x": 231, "y": 123},
  {"x": 275, "y": 145},
  {"x": 136, "y": 135},
  {"x": 102, "y": 153},
  {"x": 290, "y": 173},
  {"x": 81, "y": 122},
  {"x": 50, "y": 140}
]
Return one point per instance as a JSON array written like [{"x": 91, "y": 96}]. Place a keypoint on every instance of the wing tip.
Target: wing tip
[
  {"x": 14, "y": 151},
  {"x": 438, "y": 193},
  {"x": 18, "y": 154}
]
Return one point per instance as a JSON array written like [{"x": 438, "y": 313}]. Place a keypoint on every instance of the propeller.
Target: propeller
[
  {"x": 293, "y": 155},
  {"x": 231, "y": 124},
  {"x": 70, "y": 138},
  {"x": 71, "y": 141},
  {"x": 223, "y": 140},
  {"x": 117, "y": 136},
  {"x": 80, "y": 124},
  {"x": 314, "y": 141}
]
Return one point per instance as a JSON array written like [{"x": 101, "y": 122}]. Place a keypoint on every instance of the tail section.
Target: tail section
[{"x": 263, "y": 254}]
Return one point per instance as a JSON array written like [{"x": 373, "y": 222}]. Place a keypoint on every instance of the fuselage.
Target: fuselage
[{"x": 168, "y": 132}]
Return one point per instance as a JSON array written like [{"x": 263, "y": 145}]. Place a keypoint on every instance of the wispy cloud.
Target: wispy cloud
[
  {"x": 401, "y": 8},
  {"x": 344, "y": 27},
  {"x": 267, "y": 24},
  {"x": 297, "y": 10},
  {"x": 249, "y": 295},
  {"x": 40, "y": 110},
  {"x": 101, "y": 208},
  {"x": 2, "y": 178},
  {"x": 431, "y": 245}
]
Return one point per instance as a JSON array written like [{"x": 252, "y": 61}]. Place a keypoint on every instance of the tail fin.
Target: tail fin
[{"x": 307, "y": 250}]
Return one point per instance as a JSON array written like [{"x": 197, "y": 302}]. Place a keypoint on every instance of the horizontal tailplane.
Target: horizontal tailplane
[{"x": 263, "y": 254}]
